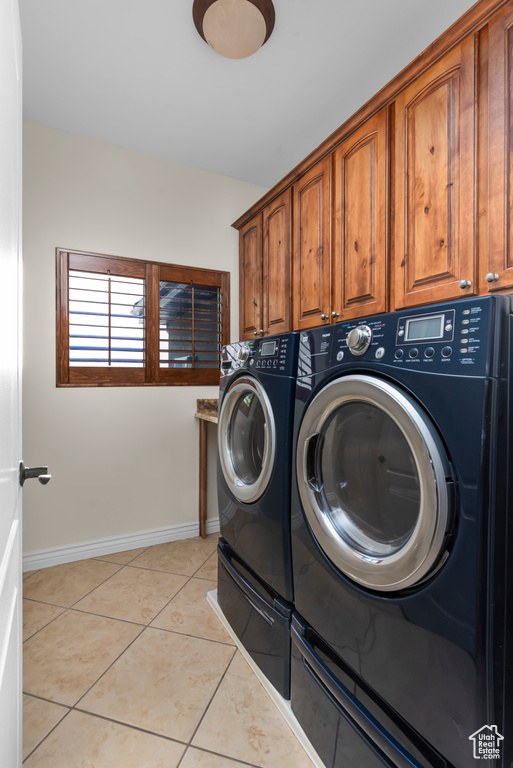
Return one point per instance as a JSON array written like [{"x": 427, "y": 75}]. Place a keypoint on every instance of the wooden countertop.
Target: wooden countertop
[{"x": 207, "y": 410}]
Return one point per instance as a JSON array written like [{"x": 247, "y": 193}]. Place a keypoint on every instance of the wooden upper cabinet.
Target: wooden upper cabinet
[
  {"x": 359, "y": 276},
  {"x": 250, "y": 278},
  {"x": 276, "y": 265},
  {"x": 265, "y": 259},
  {"x": 434, "y": 182},
  {"x": 311, "y": 256},
  {"x": 499, "y": 265}
]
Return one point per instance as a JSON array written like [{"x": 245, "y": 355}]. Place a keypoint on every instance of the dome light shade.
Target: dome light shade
[{"x": 234, "y": 28}]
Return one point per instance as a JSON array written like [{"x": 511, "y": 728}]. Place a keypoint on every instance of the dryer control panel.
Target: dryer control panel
[
  {"x": 462, "y": 338},
  {"x": 438, "y": 339}
]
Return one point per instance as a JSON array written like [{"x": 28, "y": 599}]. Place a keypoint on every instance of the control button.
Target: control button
[
  {"x": 340, "y": 356},
  {"x": 463, "y": 350},
  {"x": 359, "y": 339},
  {"x": 446, "y": 351},
  {"x": 380, "y": 352},
  {"x": 448, "y": 327},
  {"x": 463, "y": 341},
  {"x": 429, "y": 352},
  {"x": 464, "y": 330},
  {"x": 400, "y": 332},
  {"x": 465, "y": 322},
  {"x": 243, "y": 353},
  {"x": 414, "y": 352},
  {"x": 466, "y": 311},
  {"x": 399, "y": 353},
  {"x": 252, "y": 361},
  {"x": 275, "y": 362}
]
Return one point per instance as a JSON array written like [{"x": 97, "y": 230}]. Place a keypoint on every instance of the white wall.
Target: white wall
[{"x": 113, "y": 475}]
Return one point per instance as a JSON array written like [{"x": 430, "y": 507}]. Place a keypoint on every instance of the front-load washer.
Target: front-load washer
[
  {"x": 255, "y": 587},
  {"x": 401, "y": 538}
]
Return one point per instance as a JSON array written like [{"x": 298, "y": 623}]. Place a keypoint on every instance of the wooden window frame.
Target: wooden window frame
[{"x": 151, "y": 374}]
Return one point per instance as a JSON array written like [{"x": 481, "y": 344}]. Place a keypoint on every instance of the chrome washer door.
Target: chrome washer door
[
  {"x": 372, "y": 475},
  {"x": 246, "y": 439}
]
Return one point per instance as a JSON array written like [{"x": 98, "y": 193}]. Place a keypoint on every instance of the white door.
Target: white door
[{"x": 10, "y": 384}]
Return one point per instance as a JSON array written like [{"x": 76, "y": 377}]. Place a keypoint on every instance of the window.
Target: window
[{"x": 128, "y": 322}]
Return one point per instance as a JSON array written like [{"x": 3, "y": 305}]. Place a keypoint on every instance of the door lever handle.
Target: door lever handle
[{"x": 26, "y": 473}]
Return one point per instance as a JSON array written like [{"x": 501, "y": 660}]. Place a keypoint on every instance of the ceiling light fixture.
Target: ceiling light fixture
[{"x": 234, "y": 28}]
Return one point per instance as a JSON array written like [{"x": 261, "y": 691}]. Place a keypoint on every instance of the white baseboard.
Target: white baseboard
[{"x": 45, "y": 558}]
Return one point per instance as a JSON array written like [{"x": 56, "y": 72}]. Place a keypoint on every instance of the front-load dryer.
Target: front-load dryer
[
  {"x": 255, "y": 587},
  {"x": 401, "y": 537}
]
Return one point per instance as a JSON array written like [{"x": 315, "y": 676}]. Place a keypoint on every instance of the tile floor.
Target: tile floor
[{"x": 126, "y": 664}]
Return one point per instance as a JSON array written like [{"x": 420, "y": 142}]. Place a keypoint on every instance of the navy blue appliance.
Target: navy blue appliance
[
  {"x": 402, "y": 640},
  {"x": 255, "y": 588}
]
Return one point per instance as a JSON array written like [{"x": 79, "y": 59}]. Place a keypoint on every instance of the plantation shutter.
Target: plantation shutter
[{"x": 130, "y": 322}]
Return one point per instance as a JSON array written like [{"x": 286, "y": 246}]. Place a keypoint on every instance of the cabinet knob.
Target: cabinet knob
[
  {"x": 255, "y": 333},
  {"x": 335, "y": 314},
  {"x": 324, "y": 317},
  {"x": 491, "y": 277},
  {"x": 465, "y": 283}
]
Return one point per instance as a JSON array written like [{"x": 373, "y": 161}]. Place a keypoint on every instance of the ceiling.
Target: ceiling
[{"x": 136, "y": 74}]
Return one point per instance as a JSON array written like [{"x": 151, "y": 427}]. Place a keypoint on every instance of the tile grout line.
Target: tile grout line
[
  {"x": 212, "y": 697},
  {"x": 143, "y": 628},
  {"x": 75, "y": 707},
  {"x": 50, "y": 731},
  {"x": 218, "y": 754},
  {"x": 137, "y": 728},
  {"x": 121, "y": 568},
  {"x": 72, "y": 607},
  {"x": 47, "y": 623},
  {"x": 207, "y": 707},
  {"x": 178, "y": 592}
]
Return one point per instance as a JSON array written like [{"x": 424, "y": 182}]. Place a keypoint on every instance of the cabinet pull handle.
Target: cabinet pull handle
[
  {"x": 465, "y": 283},
  {"x": 491, "y": 277},
  {"x": 324, "y": 317},
  {"x": 335, "y": 314}
]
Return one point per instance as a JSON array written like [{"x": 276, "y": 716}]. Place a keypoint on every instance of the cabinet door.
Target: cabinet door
[
  {"x": 250, "y": 278},
  {"x": 360, "y": 222},
  {"x": 311, "y": 248},
  {"x": 499, "y": 268},
  {"x": 435, "y": 183},
  {"x": 276, "y": 265}
]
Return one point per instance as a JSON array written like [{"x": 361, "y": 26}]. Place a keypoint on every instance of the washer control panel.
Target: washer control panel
[{"x": 275, "y": 355}]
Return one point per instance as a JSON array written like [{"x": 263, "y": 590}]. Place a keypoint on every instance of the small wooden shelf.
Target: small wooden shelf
[{"x": 206, "y": 411}]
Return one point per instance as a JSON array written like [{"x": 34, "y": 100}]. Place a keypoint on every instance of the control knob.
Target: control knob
[
  {"x": 359, "y": 339},
  {"x": 243, "y": 353}
]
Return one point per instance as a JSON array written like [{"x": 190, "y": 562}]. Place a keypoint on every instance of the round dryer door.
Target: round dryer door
[
  {"x": 246, "y": 439},
  {"x": 373, "y": 479}
]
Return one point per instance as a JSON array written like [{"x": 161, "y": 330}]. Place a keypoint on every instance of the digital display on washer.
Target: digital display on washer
[
  {"x": 268, "y": 348},
  {"x": 420, "y": 328}
]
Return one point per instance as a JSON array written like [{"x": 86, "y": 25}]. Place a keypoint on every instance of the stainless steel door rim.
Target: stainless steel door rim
[
  {"x": 233, "y": 447},
  {"x": 374, "y": 562}
]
